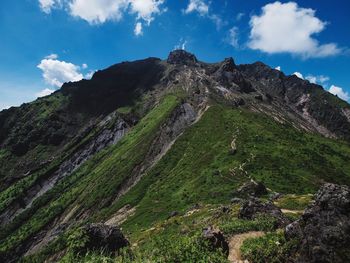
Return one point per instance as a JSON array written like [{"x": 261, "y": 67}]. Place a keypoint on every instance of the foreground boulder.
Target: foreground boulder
[
  {"x": 254, "y": 208},
  {"x": 324, "y": 229},
  {"x": 216, "y": 239},
  {"x": 107, "y": 238},
  {"x": 251, "y": 189}
]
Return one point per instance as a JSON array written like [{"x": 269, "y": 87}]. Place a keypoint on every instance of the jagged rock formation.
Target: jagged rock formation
[{"x": 324, "y": 229}]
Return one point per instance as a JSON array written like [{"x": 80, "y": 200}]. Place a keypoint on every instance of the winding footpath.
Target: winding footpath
[{"x": 236, "y": 242}]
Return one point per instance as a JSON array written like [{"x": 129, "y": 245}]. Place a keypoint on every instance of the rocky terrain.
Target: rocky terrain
[{"x": 161, "y": 148}]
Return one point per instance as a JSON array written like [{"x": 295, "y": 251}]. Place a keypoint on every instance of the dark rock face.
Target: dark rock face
[
  {"x": 105, "y": 237},
  {"x": 324, "y": 229},
  {"x": 254, "y": 189},
  {"x": 253, "y": 208},
  {"x": 216, "y": 239},
  {"x": 181, "y": 57},
  {"x": 230, "y": 77}
]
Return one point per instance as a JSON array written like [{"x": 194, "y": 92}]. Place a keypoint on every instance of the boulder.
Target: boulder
[
  {"x": 216, "y": 239},
  {"x": 324, "y": 228},
  {"x": 253, "y": 208},
  {"x": 251, "y": 188},
  {"x": 107, "y": 238}
]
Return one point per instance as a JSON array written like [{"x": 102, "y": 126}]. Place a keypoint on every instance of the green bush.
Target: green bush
[
  {"x": 236, "y": 226},
  {"x": 271, "y": 248}
]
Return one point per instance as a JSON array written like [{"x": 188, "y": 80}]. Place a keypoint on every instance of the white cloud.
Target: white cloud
[
  {"x": 286, "y": 27},
  {"x": 52, "y": 56},
  {"x": 182, "y": 45},
  {"x": 98, "y": 11},
  {"x": 89, "y": 74},
  {"x": 278, "y": 68},
  {"x": 202, "y": 8},
  {"x": 146, "y": 9},
  {"x": 339, "y": 92},
  {"x": 299, "y": 75},
  {"x": 317, "y": 79},
  {"x": 233, "y": 37},
  {"x": 47, "y": 5},
  {"x": 44, "y": 92},
  {"x": 4, "y": 106},
  {"x": 197, "y": 6},
  {"x": 56, "y": 72},
  {"x": 138, "y": 29},
  {"x": 84, "y": 66}
]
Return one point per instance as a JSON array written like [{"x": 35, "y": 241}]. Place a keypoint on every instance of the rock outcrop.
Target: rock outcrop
[
  {"x": 324, "y": 228},
  {"x": 251, "y": 188},
  {"x": 254, "y": 208},
  {"x": 108, "y": 238},
  {"x": 182, "y": 57},
  {"x": 216, "y": 239}
]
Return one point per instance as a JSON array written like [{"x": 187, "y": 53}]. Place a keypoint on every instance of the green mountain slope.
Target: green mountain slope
[{"x": 158, "y": 150}]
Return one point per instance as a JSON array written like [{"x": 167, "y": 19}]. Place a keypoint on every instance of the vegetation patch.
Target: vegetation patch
[{"x": 271, "y": 248}]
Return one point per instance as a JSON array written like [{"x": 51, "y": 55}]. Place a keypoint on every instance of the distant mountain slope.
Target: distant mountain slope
[{"x": 160, "y": 136}]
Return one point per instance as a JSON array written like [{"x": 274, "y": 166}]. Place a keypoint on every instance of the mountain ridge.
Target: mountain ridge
[{"x": 141, "y": 132}]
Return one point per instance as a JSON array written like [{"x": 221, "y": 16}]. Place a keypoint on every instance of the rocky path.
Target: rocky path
[
  {"x": 235, "y": 243},
  {"x": 284, "y": 211}
]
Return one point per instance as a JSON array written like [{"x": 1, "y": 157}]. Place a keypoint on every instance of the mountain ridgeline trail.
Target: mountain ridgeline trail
[{"x": 159, "y": 148}]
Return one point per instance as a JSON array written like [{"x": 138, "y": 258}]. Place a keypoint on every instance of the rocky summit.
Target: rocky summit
[{"x": 173, "y": 161}]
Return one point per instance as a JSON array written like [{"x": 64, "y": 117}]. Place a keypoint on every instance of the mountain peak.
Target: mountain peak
[{"x": 181, "y": 57}]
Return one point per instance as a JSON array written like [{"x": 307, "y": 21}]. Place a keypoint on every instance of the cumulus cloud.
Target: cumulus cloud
[
  {"x": 233, "y": 37},
  {"x": 138, "y": 29},
  {"x": 98, "y": 11},
  {"x": 56, "y": 72},
  {"x": 198, "y": 6},
  {"x": 278, "y": 68},
  {"x": 286, "y": 27},
  {"x": 299, "y": 75},
  {"x": 146, "y": 9},
  {"x": 44, "y": 92},
  {"x": 339, "y": 92}
]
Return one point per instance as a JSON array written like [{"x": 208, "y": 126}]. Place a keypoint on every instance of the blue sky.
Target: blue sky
[{"x": 47, "y": 42}]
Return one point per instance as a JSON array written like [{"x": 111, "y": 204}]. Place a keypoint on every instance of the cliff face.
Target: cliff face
[{"x": 140, "y": 131}]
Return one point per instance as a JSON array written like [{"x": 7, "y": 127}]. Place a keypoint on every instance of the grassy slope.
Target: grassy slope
[
  {"x": 199, "y": 168},
  {"x": 94, "y": 182}
]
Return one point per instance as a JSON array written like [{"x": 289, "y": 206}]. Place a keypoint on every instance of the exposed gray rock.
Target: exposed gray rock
[
  {"x": 181, "y": 118},
  {"x": 105, "y": 138},
  {"x": 254, "y": 208},
  {"x": 236, "y": 200},
  {"x": 324, "y": 228},
  {"x": 216, "y": 239},
  {"x": 104, "y": 237},
  {"x": 251, "y": 188}
]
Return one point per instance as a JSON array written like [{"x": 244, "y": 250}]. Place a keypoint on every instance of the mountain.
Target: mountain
[{"x": 144, "y": 143}]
